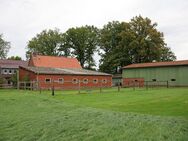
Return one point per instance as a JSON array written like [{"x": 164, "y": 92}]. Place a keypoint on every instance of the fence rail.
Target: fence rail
[{"x": 88, "y": 86}]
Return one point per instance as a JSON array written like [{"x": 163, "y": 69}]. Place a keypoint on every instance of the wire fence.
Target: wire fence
[{"x": 85, "y": 86}]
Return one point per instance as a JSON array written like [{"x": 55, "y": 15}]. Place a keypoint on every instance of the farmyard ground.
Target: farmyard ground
[{"x": 155, "y": 114}]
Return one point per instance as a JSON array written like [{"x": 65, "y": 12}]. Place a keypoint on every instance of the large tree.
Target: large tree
[
  {"x": 82, "y": 42},
  {"x": 135, "y": 42},
  {"x": 108, "y": 41},
  {"x": 48, "y": 42},
  {"x": 148, "y": 43},
  {"x": 4, "y": 47}
]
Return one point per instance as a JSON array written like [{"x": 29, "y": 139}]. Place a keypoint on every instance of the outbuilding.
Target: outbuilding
[
  {"x": 61, "y": 73},
  {"x": 174, "y": 73}
]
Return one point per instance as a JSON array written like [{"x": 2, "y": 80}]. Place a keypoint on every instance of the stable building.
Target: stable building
[
  {"x": 175, "y": 73},
  {"x": 61, "y": 73}
]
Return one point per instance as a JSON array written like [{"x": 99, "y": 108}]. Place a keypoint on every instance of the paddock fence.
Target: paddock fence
[{"x": 81, "y": 86}]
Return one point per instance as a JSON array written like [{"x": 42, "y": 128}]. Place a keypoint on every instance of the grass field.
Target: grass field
[{"x": 156, "y": 115}]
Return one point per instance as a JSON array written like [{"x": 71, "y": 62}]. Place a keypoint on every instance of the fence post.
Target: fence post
[
  {"x": 133, "y": 85},
  {"x": 118, "y": 86},
  {"x": 24, "y": 85},
  {"x": 79, "y": 86},
  {"x": 53, "y": 88},
  {"x": 101, "y": 86},
  {"x": 146, "y": 85},
  {"x": 167, "y": 84},
  {"x": 18, "y": 85}
]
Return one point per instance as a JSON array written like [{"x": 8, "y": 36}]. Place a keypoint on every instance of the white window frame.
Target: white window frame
[
  {"x": 104, "y": 81},
  {"x": 5, "y": 71},
  {"x": 61, "y": 81},
  {"x": 95, "y": 80},
  {"x": 48, "y": 81},
  {"x": 9, "y": 71},
  {"x": 85, "y": 82},
  {"x": 74, "y": 82}
]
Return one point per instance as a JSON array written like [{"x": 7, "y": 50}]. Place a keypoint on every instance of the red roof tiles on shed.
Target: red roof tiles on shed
[
  {"x": 158, "y": 64},
  {"x": 54, "y": 62}
]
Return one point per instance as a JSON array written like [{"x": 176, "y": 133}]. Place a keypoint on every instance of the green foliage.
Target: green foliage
[
  {"x": 138, "y": 41},
  {"x": 118, "y": 44},
  {"x": 14, "y": 79},
  {"x": 14, "y": 58},
  {"x": 26, "y": 78},
  {"x": 4, "y": 47},
  {"x": 1, "y": 80},
  {"x": 82, "y": 42},
  {"x": 48, "y": 42},
  {"x": 109, "y": 40},
  {"x": 28, "y": 115}
]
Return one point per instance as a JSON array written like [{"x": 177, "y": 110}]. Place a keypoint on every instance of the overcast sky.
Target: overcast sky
[{"x": 20, "y": 20}]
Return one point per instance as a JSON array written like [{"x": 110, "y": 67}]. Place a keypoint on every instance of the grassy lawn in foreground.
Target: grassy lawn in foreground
[{"x": 158, "y": 114}]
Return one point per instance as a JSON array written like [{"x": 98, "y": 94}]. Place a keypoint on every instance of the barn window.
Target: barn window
[
  {"x": 95, "y": 81},
  {"x": 74, "y": 80},
  {"x": 135, "y": 80},
  {"x": 104, "y": 81},
  {"x": 10, "y": 71},
  {"x": 5, "y": 71},
  {"x": 154, "y": 80},
  {"x": 85, "y": 80},
  {"x": 48, "y": 80},
  {"x": 173, "y": 79},
  {"x": 61, "y": 80}
]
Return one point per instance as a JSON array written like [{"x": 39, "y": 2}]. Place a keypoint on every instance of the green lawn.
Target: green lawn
[{"x": 155, "y": 114}]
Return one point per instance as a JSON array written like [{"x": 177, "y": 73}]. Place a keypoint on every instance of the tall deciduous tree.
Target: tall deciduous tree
[
  {"x": 108, "y": 41},
  {"x": 4, "y": 47},
  {"x": 82, "y": 42},
  {"x": 48, "y": 42},
  {"x": 135, "y": 42}
]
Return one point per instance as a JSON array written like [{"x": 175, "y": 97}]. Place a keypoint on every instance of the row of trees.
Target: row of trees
[{"x": 117, "y": 43}]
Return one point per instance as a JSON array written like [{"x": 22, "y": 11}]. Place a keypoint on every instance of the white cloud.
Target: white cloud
[{"x": 23, "y": 19}]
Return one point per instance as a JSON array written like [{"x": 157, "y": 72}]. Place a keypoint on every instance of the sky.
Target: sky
[{"x": 21, "y": 20}]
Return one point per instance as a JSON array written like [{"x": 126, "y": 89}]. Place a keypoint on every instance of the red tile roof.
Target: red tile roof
[
  {"x": 158, "y": 64},
  {"x": 12, "y": 63},
  {"x": 54, "y": 62}
]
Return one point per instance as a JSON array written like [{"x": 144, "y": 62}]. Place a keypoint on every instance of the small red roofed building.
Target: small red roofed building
[{"x": 61, "y": 73}]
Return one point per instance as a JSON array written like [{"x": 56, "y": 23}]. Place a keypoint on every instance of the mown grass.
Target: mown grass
[{"x": 158, "y": 114}]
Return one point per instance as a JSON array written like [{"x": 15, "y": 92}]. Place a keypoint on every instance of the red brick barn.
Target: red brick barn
[{"x": 62, "y": 73}]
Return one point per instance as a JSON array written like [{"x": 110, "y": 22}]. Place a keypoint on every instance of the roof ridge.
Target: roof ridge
[
  {"x": 155, "y": 64},
  {"x": 58, "y": 56}
]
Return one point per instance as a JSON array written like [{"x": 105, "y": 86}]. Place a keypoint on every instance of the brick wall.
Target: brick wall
[
  {"x": 67, "y": 80},
  {"x": 24, "y": 73},
  {"x": 131, "y": 82}
]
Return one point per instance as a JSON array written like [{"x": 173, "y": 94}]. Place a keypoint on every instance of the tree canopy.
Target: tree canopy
[
  {"x": 4, "y": 47},
  {"x": 82, "y": 41},
  {"x": 48, "y": 42},
  {"x": 138, "y": 41},
  {"x": 118, "y": 44}
]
